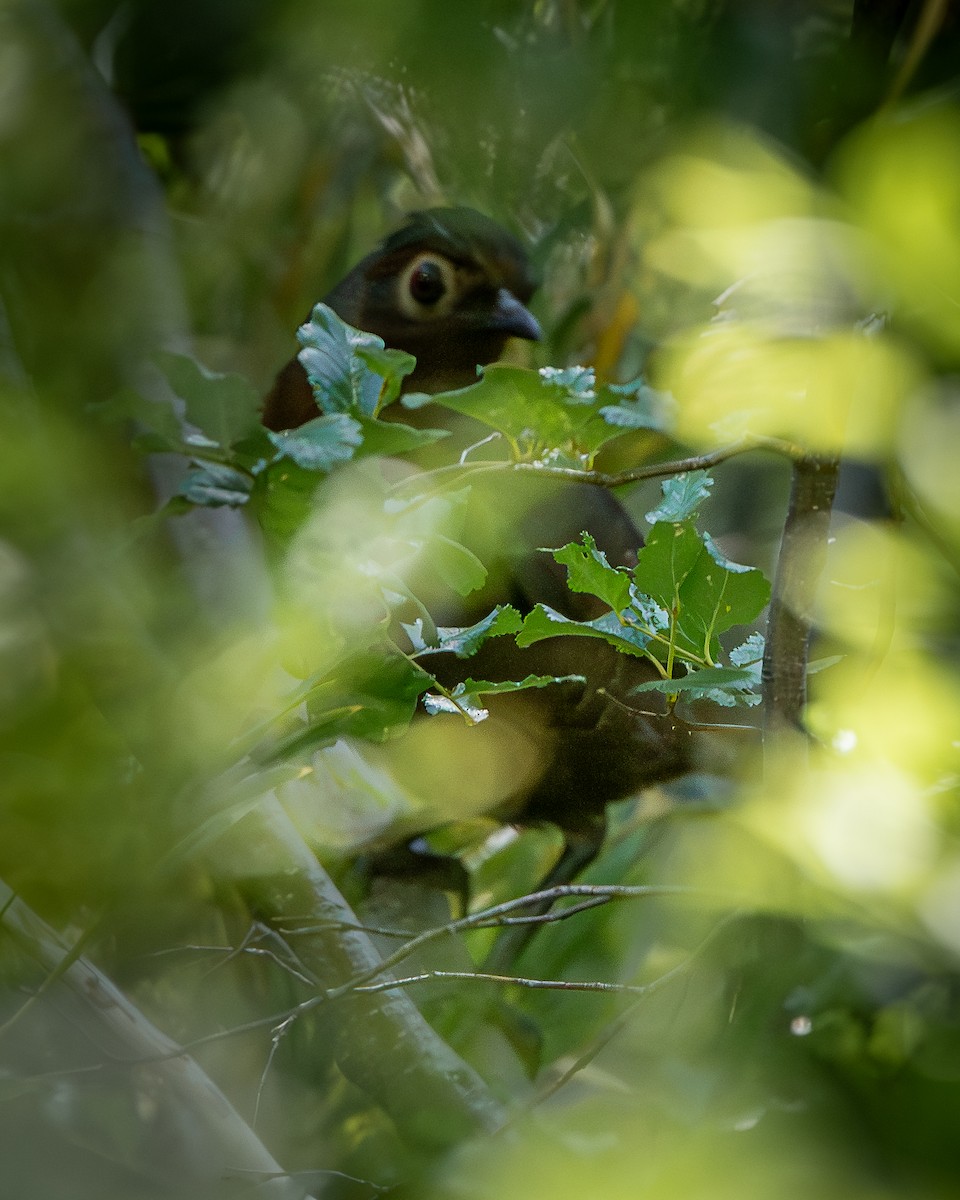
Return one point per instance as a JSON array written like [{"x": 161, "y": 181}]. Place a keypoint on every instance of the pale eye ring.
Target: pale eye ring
[{"x": 427, "y": 284}]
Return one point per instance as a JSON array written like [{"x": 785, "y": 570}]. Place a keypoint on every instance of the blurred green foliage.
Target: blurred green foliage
[{"x": 751, "y": 206}]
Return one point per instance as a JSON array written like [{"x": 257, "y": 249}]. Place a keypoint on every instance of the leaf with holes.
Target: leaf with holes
[
  {"x": 588, "y": 571},
  {"x": 466, "y": 641},
  {"x": 465, "y": 698}
]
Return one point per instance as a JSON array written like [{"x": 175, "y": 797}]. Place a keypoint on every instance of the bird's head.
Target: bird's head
[{"x": 449, "y": 287}]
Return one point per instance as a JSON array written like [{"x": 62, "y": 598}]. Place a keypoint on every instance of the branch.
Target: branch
[
  {"x": 501, "y": 915},
  {"x": 549, "y": 985},
  {"x": 203, "y": 1136},
  {"x": 496, "y": 916},
  {"x": 799, "y": 567},
  {"x": 697, "y": 462},
  {"x": 382, "y": 1043}
]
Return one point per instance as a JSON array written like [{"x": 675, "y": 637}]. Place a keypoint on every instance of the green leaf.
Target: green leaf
[
  {"x": 390, "y": 437},
  {"x": 750, "y": 652},
  {"x": 463, "y": 705},
  {"x": 157, "y": 417},
  {"x": 225, "y": 407},
  {"x": 682, "y": 496},
  {"x": 723, "y": 685},
  {"x": 638, "y": 406},
  {"x": 545, "y": 622},
  {"x": 254, "y": 452},
  {"x": 503, "y": 687},
  {"x": 646, "y": 612},
  {"x": 823, "y": 664},
  {"x": 149, "y": 442},
  {"x": 696, "y": 681},
  {"x": 435, "y": 525},
  {"x": 458, "y": 567},
  {"x": 419, "y": 518},
  {"x": 588, "y": 571},
  {"x": 687, "y": 575},
  {"x": 466, "y": 696},
  {"x": 321, "y": 443},
  {"x": 663, "y": 564},
  {"x": 285, "y": 499},
  {"x": 718, "y": 593},
  {"x": 464, "y": 642},
  {"x": 350, "y": 371},
  {"x": 371, "y": 694},
  {"x": 509, "y": 399},
  {"x": 579, "y": 383},
  {"x": 544, "y": 414},
  {"x": 393, "y": 366},
  {"x": 749, "y": 657},
  {"x": 214, "y": 485}
]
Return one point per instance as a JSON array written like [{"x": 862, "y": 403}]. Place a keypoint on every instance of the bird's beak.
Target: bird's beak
[{"x": 510, "y": 316}]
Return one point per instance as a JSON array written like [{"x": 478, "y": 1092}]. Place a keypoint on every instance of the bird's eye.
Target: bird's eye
[{"x": 427, "y": 284}]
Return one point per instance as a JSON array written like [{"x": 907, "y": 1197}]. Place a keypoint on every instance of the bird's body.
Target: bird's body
[{"x": 450, "y": 288}]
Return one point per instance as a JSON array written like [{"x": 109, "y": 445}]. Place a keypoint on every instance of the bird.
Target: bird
[{"x": 451, "y": 287}]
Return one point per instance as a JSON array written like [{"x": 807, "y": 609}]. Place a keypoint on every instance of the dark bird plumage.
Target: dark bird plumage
[{"x": 451, "y": 287}]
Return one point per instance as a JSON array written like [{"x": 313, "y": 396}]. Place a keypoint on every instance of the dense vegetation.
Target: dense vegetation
[{"x": 220, "y": 717}]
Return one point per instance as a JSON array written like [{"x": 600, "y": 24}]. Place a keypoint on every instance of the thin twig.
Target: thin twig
[
  {"x": 607, "y": 1035},
  {"x": 696, "y": 462},
  {"x": 550, "y": 985},
  {"x": 502, "y": 914},
  {"x": 495, "y": 915}
]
